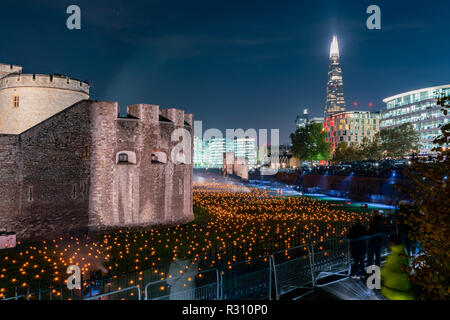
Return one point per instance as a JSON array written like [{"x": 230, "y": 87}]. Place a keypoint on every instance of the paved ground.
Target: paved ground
[{"x": 348, "y": 289}]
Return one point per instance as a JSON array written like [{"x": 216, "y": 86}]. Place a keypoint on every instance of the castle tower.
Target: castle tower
[
  {"x": 28, "y": 99},
  {"x": 335, "y": 85}
]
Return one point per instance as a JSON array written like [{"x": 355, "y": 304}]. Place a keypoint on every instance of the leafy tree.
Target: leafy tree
[
  {"x": 309, "y": 143},
  {"x": 370, "y": 149},
  {"x": 346, "y": 153},
  {"x": 397, "y": 142},
  {"x": 429, "y": 219}
]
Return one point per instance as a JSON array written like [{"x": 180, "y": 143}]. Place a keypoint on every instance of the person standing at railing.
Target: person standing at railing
[
  {"x": 376, "y": 230},
  {"x": 395, "y": 284},
  {"x": 358, "y": 248}
]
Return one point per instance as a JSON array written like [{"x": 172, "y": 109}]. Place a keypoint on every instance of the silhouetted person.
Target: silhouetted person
[
  {"x": 358, "y": 248},
  {"x": 376, "y": 230}
]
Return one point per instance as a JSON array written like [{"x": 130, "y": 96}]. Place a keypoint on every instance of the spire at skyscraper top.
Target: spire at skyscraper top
[{"x": 334, "y": 50}]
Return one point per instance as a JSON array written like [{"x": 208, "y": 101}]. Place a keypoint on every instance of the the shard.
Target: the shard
[{"x": 335, "y": 85}]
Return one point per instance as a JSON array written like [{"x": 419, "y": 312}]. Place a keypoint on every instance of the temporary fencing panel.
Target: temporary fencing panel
[
  {"x": 247, "y": 280},
  {"x": 331, "y": 261},
  {"x": 292, "y": 271},
  {"x": 202, "y": 285}
]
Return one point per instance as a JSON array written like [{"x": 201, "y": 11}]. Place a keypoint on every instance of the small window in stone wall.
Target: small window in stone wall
[
  {"x": 15, "y": 102},
  {"x": 159, "y": 157},
  {"x": 123, "y": 157},
  {"x": 74, "y": 191},
  {"x": 126, "y": 157},
  {"x": 30, "y": 194},
  {"x": 86, "y": 152}
]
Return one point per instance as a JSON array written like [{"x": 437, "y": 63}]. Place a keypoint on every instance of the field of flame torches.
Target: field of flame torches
[{"x": 233, "y": 223}]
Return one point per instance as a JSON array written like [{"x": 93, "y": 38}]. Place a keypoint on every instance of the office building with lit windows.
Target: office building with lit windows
[
  {"x": 246, "y": 148},
  {"x": 209, "y": 154},
  {"x": 199, "y": 152},
  {"x": 418, "y": 107},
  {"x": 214, "y": 150},
  {"x": 351, "y": 127},
  {"x": 302, "y": 120}
]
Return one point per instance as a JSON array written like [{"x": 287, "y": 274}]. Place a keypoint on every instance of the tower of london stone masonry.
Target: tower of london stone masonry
[
  {"x": 28, "y": 99},
  {"x": 85, "y": 168}
]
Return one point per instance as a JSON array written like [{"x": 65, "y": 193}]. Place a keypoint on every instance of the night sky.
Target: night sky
[{"x": 234, "y": 64}]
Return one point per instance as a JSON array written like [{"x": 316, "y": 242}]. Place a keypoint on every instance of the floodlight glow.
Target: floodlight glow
[{"x": 334, "y": 50}]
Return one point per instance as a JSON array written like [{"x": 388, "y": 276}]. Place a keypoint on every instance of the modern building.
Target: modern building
[
  {"x": 214, "y": 148},
  {"x": 246, "y": 148},
  {"x": 302, "y": 120},
  {"x": 317, "y": 120},
  {"x": 199, "y": 152},
  {"x": 335, "y": 86},
  {"x": 419, "y": 108},
  {"x": 28, "y": 99},
  {"x": 351, "y": 127}
]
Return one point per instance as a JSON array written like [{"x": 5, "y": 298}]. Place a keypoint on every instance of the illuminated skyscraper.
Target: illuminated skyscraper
[
  {"x": 335, "y": 86},
  {"x": 246, "y": 148}
]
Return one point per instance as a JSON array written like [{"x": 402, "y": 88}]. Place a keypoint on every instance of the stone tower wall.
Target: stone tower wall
[
  {"x": 63, "y": 175},
  {"x": 39, "y": 97},
  {"x": 52, "y": 177}
]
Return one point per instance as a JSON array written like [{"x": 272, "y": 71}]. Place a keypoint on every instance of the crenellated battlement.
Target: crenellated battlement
[
  {"x": 43, "y": 80},
  {"x": 153, "y": 113},
  {"x": 6, "y": 69}
]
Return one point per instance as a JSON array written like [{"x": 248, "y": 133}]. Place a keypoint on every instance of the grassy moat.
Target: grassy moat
[{"x": 225, "y": 216}]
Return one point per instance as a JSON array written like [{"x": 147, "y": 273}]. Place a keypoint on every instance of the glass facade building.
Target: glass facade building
[
  {"x": 302, "y": 120},
  {"x": 351, "y": 127},
  {"x": 246, "y": 148},
  {"x": 420, "y": 109},
  {"x": 335, "y": 85},
  {"x": 209, "y": 154},
  {"x": 199, "y": 152}
]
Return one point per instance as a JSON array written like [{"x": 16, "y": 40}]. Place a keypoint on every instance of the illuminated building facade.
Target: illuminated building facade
[
  {"x": 419, "y": 108},
  {"x": 335, "y": 85},
  {"x": 209, "y": 154},
  {"x": 351, "y": 127},
  {"x": 246, "y": 148},
  {"x": 302, "y": 120},
  {"x": 199, "y": 152}
]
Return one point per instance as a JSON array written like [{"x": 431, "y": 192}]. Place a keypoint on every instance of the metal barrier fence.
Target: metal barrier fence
[
  {"x": 119, "y": 294},
  {"x": 304, "y": 267},
  {"x": 293, "y": 270},
  {"x": 331, "y": 261},
  {"x": 203, "y": 285},
  {"x": 247, "y": 280}
]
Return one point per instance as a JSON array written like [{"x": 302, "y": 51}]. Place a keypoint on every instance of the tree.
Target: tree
[
  {"x": 370, "y": 149},
  {"x": 346, "y": 153},
  {"x": 309, "y": 143},
  {"x": 397, "y": 142},
  {"x": 429, "y": 219}
]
